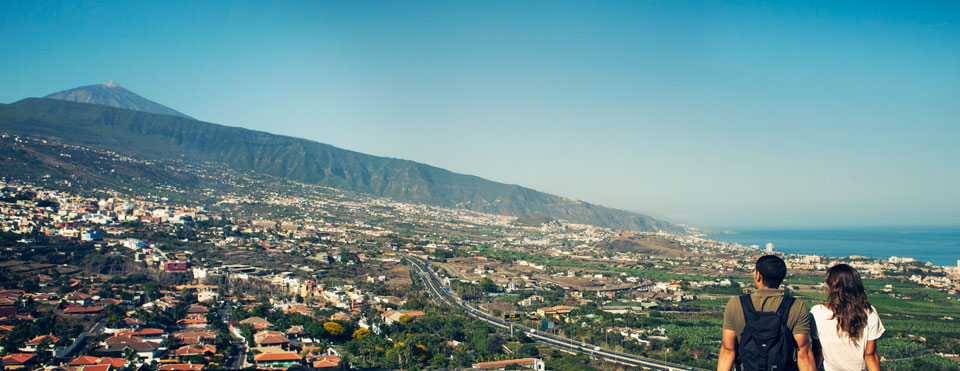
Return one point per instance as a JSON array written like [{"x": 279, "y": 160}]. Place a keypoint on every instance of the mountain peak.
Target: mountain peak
[{"x": 113, "y": 95}]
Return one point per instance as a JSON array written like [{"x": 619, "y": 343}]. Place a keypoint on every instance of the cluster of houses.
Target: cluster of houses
[
  {"x": 191, "y": 343},
  {"x": 25, "y": 209},
  {"x": 276, "y": 349},
  {"x": 111, "y": 343}
]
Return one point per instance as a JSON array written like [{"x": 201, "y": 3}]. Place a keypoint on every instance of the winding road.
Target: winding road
[{"x": 437, "y": 292}]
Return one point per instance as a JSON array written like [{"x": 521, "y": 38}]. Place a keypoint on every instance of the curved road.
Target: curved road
[
  {"x": 238, "y": 356},
  {"x": 437, "y": 293}
]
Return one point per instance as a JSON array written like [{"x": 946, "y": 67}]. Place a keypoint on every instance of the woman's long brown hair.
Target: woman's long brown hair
[{"x": 847, "y": 299}]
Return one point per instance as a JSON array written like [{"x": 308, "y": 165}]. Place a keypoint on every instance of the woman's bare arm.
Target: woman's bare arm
[
  {"x": 870, "y": 355},
  {"x": 817, "y": 352}
]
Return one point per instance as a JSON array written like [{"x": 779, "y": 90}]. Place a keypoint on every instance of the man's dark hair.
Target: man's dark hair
[{"x": 772, "y": 270}]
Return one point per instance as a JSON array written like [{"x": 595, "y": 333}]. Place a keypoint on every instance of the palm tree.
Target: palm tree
[{"x": 129, "y": 354}]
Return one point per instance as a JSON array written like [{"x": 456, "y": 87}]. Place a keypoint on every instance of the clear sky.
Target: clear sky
[{"x": 709, "y": 113}]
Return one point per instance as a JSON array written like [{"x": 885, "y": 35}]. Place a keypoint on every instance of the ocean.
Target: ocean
[{"x": 938, "y": 245}]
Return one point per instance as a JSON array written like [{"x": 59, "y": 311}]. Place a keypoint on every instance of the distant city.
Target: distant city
[{"x": 171, "y": 264}]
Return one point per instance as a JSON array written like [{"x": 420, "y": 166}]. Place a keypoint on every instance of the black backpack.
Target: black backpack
[{"x": 766, "y": 342}]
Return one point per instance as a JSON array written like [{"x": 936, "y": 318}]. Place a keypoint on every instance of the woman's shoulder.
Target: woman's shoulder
[{"x": 820, "y": 311}]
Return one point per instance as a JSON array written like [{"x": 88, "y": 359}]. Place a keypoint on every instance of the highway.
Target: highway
[{"x": 437, "y": 292}]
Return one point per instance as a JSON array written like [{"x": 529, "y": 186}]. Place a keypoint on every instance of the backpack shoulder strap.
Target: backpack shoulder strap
[
  {"x": 747, "y": 304},
  {"x": 784, "y": 309}
]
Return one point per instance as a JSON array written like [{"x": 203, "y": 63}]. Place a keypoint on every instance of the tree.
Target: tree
[
  {"x": 247, "y": 332},
  {"x": 486, "y": 284},
  {"x": 129, "y": 354},
  {"x": 529, "y": 350},
  {"x": 494, "y": 344},
  {"x": 333, "y": 328},
  {"x": 361, "y": 333},
  {"x": 478, "y": 338},
  {"x": 43, "y": 349}
]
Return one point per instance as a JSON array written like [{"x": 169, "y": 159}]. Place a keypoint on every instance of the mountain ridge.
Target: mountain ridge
[
  {"x": 160, "y": 136},
  {"x": 112, "y": 94}
]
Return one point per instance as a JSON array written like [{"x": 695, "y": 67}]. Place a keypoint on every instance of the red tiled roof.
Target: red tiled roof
[
  {"x": 144, "y": 332},
  {"x": 195, "y": 349},
  {"x": 273, "y": 339},
  {"x": 18, "y": 358},
  {"x": 95, "y": 368},
  {"x": 181, "y": 367},
  {"x": 191, "y": 321},
  {"x": 188, "y": 341},
  {"x": 88, "y": 360},
  {"x": 294, "y": 330},
  {"x": 300, "y": 309},
  {"x": 115, "y": 362},
  {"x": 82, "y": 310},
  {"x": 38, "y": 339},
  {"x": 255, "y": 320},
  {"x": 195, "y": 334},
  {"x": 132, "y": 321},
  {"x": 270, "y": 357},
  {"x": 84, "y": 360},
  {"x": 326, "y": 361}
]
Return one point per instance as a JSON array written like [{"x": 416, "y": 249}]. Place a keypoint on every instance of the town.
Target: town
[{"x": 229, "y": 270}]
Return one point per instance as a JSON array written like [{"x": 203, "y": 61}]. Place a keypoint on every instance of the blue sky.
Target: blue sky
[{"x": 709, "y": 113}]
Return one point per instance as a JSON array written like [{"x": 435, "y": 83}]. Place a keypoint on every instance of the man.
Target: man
[{"x": 765, "y": 303}]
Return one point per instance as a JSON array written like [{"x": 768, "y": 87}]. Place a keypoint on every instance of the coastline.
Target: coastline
[{"x": 937, "y": 245}]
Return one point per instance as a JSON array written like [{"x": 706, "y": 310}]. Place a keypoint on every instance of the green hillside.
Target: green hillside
[{"x": 163, "y": 136}]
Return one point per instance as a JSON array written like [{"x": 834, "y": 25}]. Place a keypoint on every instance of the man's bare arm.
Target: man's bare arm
[
  {"x": 728, "y": 350},
  {"x": 805, "y": 360}
]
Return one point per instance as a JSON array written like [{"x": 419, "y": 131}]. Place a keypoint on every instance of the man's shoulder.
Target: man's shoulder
[
  {"x": 734, "y": 301},
  {"x": 798, "y": 304},
  {"x": 733, "y": 306},
  {"x": 799, "y": 318}
]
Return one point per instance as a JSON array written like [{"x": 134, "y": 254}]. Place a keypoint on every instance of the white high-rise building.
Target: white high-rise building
[{"x": 769, "y": 246}]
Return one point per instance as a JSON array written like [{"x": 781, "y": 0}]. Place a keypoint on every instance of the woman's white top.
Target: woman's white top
[{"x": 839, "y": 351}]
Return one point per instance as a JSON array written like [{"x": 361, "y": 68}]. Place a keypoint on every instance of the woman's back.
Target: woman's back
[{"x": 840, "y": 352}]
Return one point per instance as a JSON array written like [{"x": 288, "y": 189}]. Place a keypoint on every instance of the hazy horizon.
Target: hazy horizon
[{"x": 714, "y": 115}]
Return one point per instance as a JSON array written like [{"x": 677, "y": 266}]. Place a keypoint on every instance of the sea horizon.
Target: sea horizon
[{"x": 939, "y": 245}]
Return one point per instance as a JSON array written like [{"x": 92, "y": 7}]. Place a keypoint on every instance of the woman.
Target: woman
[{"x": 845, "y": 329}]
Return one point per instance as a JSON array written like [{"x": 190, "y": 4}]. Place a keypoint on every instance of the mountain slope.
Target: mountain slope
[
  {"x": 163, "y": 136},
  {"x": 112, "y": 94}
]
